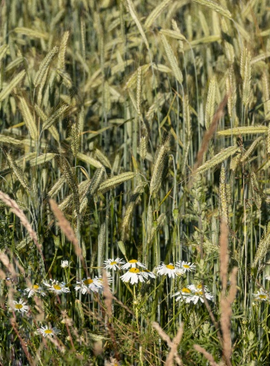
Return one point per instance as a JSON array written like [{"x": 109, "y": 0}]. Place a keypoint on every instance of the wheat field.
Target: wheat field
[{"x": 134, "y": 183}]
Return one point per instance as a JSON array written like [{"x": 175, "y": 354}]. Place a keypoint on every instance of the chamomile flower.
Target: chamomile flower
[
  {"x": 34, "y": 290},
  {"x": 88, "y": 285},
  {"x": 147, "y": 274},
  {"x": 48, "y": 331},
  {"x": 56, "y": 287},
  {"x": 114, "y": 264},
  {"x": 64, "y": 264},
  {"x": 186, "y": 266},
  {"x": 193, "y": 294},
  {"x": 170, "y": 270},
  {"x": 133, "y": 263},
  {"x": 261, "y": 295},
  {"x": 20, "y": 306},
  {"x": 133, "y": 275}
]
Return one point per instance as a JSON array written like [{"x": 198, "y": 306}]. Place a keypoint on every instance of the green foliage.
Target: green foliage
[{"x": 104, "y": 106}]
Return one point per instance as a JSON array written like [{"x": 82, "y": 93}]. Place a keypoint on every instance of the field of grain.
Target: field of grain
[{"x": 134, "y": 182}]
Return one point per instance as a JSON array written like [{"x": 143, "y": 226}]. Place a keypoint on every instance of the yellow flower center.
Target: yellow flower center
[
  {"x": 48, "y": 331},
  {"x": 133, "y": 261},
  {"x": 35, "y": 287},
  {"x": 134, "y": 270},
  {"x": 18, "y": 306},
  {"x": 199, "y": 286},
  {"x": 186, "y": 290},
  {"x": 57, "y": 287},
  {"x": 199, "y": 293},
  {"x": 170, "y": 266},
  {"x": 262, "y": 296},
  {"x": 112, "y": 263},
  {"x": 186, "y": 266},
  {"x": 88, "y": 281}
]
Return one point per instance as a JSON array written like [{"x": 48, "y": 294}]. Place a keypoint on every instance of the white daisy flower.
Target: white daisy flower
[
  {"x": 267, "y": 278},
  {"x": 114, "y": 263},
  {"x": 133, "y": 263},
  {"x": 261, "y": 295},
  {"x": 20, "y": 306},
  {"x": 88, "y": 285},
  {"x": 48, "y": 331},
  {"x": 56, "y": 287},
  {"x": 193, "y": 294},
  {"x": 186, "y": 266},
  {"x": 147, "y": 274},
  {"x": 64, "y": 264},
  {"x": 34, "y": 290},
  {"x": 169, "y": 269},
  {"x": 133, "y": 275}
]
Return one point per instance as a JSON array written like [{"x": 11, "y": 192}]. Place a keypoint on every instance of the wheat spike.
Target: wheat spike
[
  {"x": 139, "y": 90},
  {"x": 210, "y": 102},
  {"x": 134, "y": 200},
  {"x": 173, "y": 34},
  {"x": 3, "y": 51},
  {"x": 138, "y": 23},
  {"x": 159, "y": 167},
  {"x": 96, "y": 180},
  {"x": 102, "y": 158},
  {"x": 223, "y": 196},
  {"x": 172, "y": 59},
  {"x": 263, "y": 247},
  {"x": 216, "y": 7},
  {"x": 75, "y": 139},
  {"x": 89, "y": 160},
  {"x": 11, "y": 85},
  {"x": 62, "y": 51},
  {"x": 217, "y": 159},
  {"x": 113, "y": 182},
  {"x": 18, "y": 172},
  {"x": 40, "y": 96},
  {"x": 58, "y": 113},
  {"x": 44, "y": 118},
  {"x": 31, "y": 33},
  {"x": 133, "y": 78},
  {"x": 143, "y": 140},
  {"x": 42, "y": 159},
  {"x": 28, "y": 119},
  {"x": 266, "y": 96},
  {"x": 231, "y": 92},
  {"x": 44, "y": 66},
  {"x": 245, "y": 70},
  {"x": 155, "y": 13},
  {"x": 57, "y": 186},
  {"x": 9, "y": 140},
  {"x": 243, "y": 131},
  {"x": 251, "y": 148}
]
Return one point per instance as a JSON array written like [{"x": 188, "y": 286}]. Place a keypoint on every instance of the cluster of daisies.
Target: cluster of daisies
[{"x": 134, "y": 272}]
